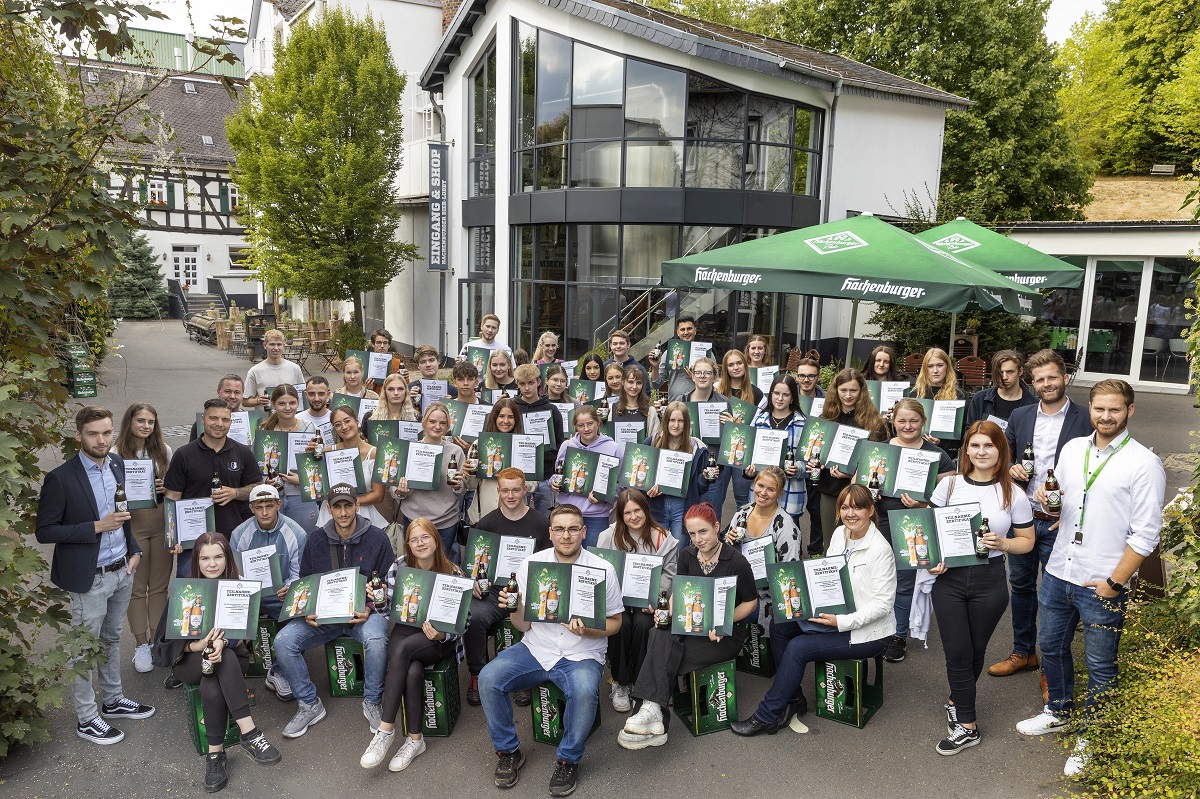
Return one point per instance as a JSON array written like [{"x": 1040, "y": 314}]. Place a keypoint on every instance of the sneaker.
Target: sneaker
[
  {"x": 647, "y": 721},
  {"x": 172, "y": 682},
  {"x": 960, "y": 738},
  {"x": 565, "y": 779},
  {"x": 125, "y": 709},
  {"x": 377, "y": 750},
  {"x": 373, "y": 712},
  {"x": 142, "y": 661},
  {"x": 1012, "y": 664},
  {"x": 216, "y": 775},
  {"x": 895, "y": 649},
  {"x": 473, "y": 692},
  {"x": 508, "y": 768},
  {"x": 279, "y": 684},
  {"x": 1041, "y": 724},
  {"x": 1078, "y": 760},
  {"x": 306, "y": 716},
  {"x": 951, "y": 717},
  {"x": 620, "y": 698},
  {"x": 259, "y": 748},
  {"x": 627, "y": 740},
  {"x": 406, "y": 754},
  {"x": 98, "y": 731},
  {"x": 523, "y": 697}
]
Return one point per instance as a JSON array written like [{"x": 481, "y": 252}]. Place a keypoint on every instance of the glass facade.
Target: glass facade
[{"x": 481, "y": 160}]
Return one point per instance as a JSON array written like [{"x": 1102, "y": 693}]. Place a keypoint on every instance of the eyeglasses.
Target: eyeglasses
[
  {"x": 806, "y": 377},
  {"x": 697, "y": 373},
  {"x": 567, "y": 530}
]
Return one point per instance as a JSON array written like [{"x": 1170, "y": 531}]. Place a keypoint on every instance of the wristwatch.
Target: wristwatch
[{"x": 1113, "y": 584}]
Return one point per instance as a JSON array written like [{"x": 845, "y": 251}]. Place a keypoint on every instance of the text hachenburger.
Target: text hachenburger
[
  {"x": 726, "y": 276},
  {"x": 896, "y": 289}
]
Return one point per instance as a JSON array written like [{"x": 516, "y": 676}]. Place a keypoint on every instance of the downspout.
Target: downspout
[
  {"x": 441, "y": 115},
  {"x": 819, "y": 305}
]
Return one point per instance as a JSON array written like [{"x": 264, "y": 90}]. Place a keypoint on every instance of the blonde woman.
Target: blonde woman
[
  {"x": 395, "y": 401},
  {"x": 936, "y": 380},
  {"x": 352, "y": 379},
  {"x": 546, "y": 350},
  {"x": 499, "y": 373}
]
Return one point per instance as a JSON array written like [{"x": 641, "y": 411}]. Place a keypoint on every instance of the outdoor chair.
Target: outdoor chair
[
  {"x": 912, "y": 363},
  {"x": 1154, "y": 346},
  {"x": 974, "y": 371}
]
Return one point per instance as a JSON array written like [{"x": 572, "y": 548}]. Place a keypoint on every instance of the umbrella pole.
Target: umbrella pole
[
  {"x": 850, "y": 338},
  {"x": 953, "y": 325}
]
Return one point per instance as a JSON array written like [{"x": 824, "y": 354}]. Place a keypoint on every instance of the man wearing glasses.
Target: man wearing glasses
[
  {"x": 808, "y": 372},
  {"x": 569, "y": 655}
]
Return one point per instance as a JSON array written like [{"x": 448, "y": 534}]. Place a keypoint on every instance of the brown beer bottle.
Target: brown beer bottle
[
  {"x": 206, "y": 666},
  {"x": 662, "y": 614},
  {"x": 120, "y": 501},
  {"x": 982, "y": 551},
  {"x": 513, "y": 589},
  {"x": 1053, "y": 493}
]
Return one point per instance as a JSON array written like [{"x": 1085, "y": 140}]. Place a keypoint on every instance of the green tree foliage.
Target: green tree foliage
[
  {"x": 318, "y": 146},
  {"x": 138, "y": 291},
  {"x": 917, "y": 329}
]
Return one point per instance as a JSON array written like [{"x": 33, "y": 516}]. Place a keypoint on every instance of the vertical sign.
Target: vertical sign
[{"x": 439, "y": 206}]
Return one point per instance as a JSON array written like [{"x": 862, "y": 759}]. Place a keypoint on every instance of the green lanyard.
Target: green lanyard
[{"x": 1087, "y": 459}]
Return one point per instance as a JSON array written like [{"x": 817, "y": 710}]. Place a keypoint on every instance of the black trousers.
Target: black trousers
[
  {"x": 627, "y": 649},
  {"x": 409, "y": 652},
  {"x": 668, "y": 656},
  {"x": 483, "y": 615},
  {"x": 222, "y": 694},
  {"x": 816, "y": 535},
  {"x": 969, "y": 602}
]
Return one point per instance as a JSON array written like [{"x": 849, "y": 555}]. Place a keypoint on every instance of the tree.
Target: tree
[
  {"x": 318, "y": 146},
  {"x": 137, "y": 291}
]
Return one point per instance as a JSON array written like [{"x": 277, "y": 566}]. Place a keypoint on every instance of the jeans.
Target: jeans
[
  {"x": 301, "y": 512},
  {"x": 816, "y": 535},
  {"x": 409, "y": 652},
  {"x": 1063, "y": 605},
  {"x": 1022, "y": 576},
  {"x": 669, "y": 512},
  {"x": 906, "y": 582},
  {"x": 969, "y": 602},
  {"x": 298, "y": 635},
  {"x": 715, "y": 494},
  {"x": 516, "y": 669},
  {"x": 101, "y": 611},
  {"x": 595, "y": 526},
  {"x": 792, "y": 650},
  {"x": 543, "y": 498}
]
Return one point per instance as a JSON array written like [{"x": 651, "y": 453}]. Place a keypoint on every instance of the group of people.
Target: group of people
[{"x": 116, "y": 565}]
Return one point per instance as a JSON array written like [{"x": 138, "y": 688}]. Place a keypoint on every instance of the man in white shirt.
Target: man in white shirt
[
  {"x": 489, "y": 326},
  {"x": 569, "y": 655},
  {"x": 1112, "y": 493},
  {"x": 317, "y": 394},
  {"x": 270, "y": 372}
]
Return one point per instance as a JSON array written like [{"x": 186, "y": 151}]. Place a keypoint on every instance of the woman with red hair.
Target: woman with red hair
[{"x": 667, "y": 655}]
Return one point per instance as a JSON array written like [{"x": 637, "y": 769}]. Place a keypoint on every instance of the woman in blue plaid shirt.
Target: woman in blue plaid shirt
[{"x": 783, "y": 413}]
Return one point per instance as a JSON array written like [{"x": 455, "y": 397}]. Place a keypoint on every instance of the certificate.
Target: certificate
[
  {"x": 769, "y": 447},
  {"x": 240, "y": 429},
  {"x": 760, "y": 552},
  {"x": 764, "y": 376},
  {"x": 725, "y": 588},
  {"x": 565, "y": 411},
  {"x": 585, "y": 582},
  {"x": 233, "y": 603},
  {"x": 512, "y": 552},
  {"x": 526, "y": 454},
  {"x": 603, "y": 485},
  {"x": 629, "y": 432},
  {"x": 433, "y": 391},
  {"x": 823, "y": 577},
  {"x": 886, "y": 393},
  {"x": 706, "y": 420},
  {"x": 188, "y": 519},
  {"x": 345, "y": 466},
  {"x": 996, "y": 420},
  {"x": 698, "y": 350},
  {"x": 421, "y": 462},
  {"x": 378, "y": 364},
  {"x": 924, "y": 537},
  {"x": 841, "y": 451},
  {"x": 195, "y": 606},
  {"x": 448, "y": 604},
  {"x": 674, "y": 469},
  {"x": 640, "y": 577},
  {"x": 336, "y": 594},
  {"x": 539, "y": 423},
  {"x": 262, "y": 564},
  {"x": 556, "y": 593},
  {"x": 944, "y": 418},
  {"x": 139, "y": 483},
  {"x": 474, "y": 418},
  {"x": 912, "y": 471},
  {"x": 956, "y": 533}
]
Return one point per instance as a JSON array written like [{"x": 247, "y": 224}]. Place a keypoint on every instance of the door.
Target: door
[
  {"x": 476, "y": 298},
  {"x": 186, "y": 266}
]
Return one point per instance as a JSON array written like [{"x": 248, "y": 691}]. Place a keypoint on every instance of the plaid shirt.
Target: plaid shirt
[{"x": 795, "y": 495}]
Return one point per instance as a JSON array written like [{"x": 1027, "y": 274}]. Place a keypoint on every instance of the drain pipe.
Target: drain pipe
[
  {"x": 441, "y": 115},
  {"x": 819, "y": 305}
]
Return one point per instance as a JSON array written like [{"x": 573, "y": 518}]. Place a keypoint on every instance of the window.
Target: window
[
  {"x": 481, "y": 160},
  {"x": 158, "y": 191},
  {"x": 235, "y": 197},
  {"x": 189, "y": 88},
  {"x": 207, "y": 141},
  {"x": 93, "y": 77},
  {"x": 238, "y": 256}
]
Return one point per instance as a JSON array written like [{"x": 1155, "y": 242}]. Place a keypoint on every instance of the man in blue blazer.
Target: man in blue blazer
[
  {"x": 1046, "y": 427},
  {"x": 95, "y": 555}
]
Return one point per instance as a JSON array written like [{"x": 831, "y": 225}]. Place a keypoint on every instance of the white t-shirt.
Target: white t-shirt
[
  {"x": 551, "y": 642},
  {"x": 263, "y": 375},
  {"x": 990, "y": 499},
  {"x": 322, "y": 423}
]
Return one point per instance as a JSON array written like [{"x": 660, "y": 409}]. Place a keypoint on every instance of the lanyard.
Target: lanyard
[{"x": 1087, "y": 459}]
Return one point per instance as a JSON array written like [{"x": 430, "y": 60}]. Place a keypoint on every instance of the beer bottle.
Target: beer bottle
[
  {"x": 662, "y": 614},
  {"x": 558, "y": 474},
  {"x": 1027, "y": 460},
  {"x": 452, "y": 469},
  {"x": 873, "y": 485},
  {"x": 206, "y": 666},
  {"x": 414, "y": 602},
  {"x": 481, "y": 578},
  {"x": 318, "y": 445},
  {"x": 552, "y": 602},
  {"x": 216, "y": 479},
  {"x": 541, "y": 614},
  {"x": 789, "y": 460},
  {"x": 1053, "y": 493},
  {"x": 120, "y": 501},
  {"x": 473, "y": 456},
  {"x": 794, "y": 604},
  {"x": 197, "y": 619},
  {"x": 378, "y": 590},
  {"x": 982, "y": 551},
  {"x": 513, "y": 589},
  {"x": 697, "y": 614}
]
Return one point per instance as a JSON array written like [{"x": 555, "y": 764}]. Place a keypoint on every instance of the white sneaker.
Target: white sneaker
[
  {"x": 1078, "y": 759},
  {"x": 377, "y": 750},
  {"x": 142, "y": 662},
  {"x": 620, "y": 697},
  {"x": 627, "y": 740},
  {"x": 406, "y": 754},
  {"x": 647, "y": 721},
  {"x": 1041, "y": 724}
]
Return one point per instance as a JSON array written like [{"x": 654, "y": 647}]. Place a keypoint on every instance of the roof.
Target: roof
[
  {"x": 1098, "y": 226},
  {"x": 719, "y": 43},
  {"x": 289, "y": 8},
  {"x": 158, "y": 49}
]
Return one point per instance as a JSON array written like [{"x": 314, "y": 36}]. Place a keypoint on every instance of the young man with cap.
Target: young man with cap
[
  {"x": 347, "y": 540},
  {"x": 270, "y": 528}
]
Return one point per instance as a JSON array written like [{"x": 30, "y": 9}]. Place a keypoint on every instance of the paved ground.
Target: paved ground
[{"x": 892, "y": 756}]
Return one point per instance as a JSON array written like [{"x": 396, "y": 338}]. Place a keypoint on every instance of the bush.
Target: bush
[
  {"x": 918, "y": 329},
  {"x": 347, "y": 336}
]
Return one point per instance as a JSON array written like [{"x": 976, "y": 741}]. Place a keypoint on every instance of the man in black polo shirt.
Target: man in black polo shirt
[
  {"x": 513, "y": 517},
  {"x": 190, "y": 475}
]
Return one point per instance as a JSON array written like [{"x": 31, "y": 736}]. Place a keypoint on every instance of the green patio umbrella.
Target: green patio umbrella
[
  {"x": 1012, "y": 259},
  {"x": 860, "y": 258}
]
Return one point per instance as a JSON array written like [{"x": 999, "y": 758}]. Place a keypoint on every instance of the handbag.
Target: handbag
[{"x": 395, "y": 532}]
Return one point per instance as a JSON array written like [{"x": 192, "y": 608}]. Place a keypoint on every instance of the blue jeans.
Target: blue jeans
[
  {"x": 543, "y": 498},
  {"x": 1063, "y": 605},
  {"x": 1022, "y": 577},
  {"x": 516, "y": 669},
  {"x": 301, "y": 512},
  {"x": 715, "y": 495},
  {"x": 906, "y": 581},
  {"x": 670, "y": 515},
  {"x": 595, "y": 526},
  {"x": 297, "y": 636},
  {"x": 792, "y": 650}
]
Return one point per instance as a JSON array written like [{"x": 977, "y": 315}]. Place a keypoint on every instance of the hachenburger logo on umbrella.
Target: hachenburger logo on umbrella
[
  {"x": 956, "y": 242},
  {"x": 726, "y": 276},
  {"x": 1026, "y": 280},
  {"x": 835, "y": 242},
  {"x": 887, "y": 287}
]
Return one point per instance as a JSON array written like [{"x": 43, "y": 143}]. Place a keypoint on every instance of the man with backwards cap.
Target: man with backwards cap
[{"x": 347, "y": 540}]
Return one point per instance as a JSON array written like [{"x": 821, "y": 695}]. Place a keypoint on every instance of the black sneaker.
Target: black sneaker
[
  {"x": 473, "y": 691},
  {"x": 126, "y": 709},
  {"x": 959, "y": 739},
  {"x": 523, "y": 698},
  {"x": 951, "y": 717},
  {"x": 895, "y": 649},
  {"x": 508, "y": 768},
  {"x": 172, "y": 682},
  {"x": 259, "y": 748},
  {"x": 216, "y": 776},
  {"x": 564, "y": 779},
  {"x": 98, "y": 731}
]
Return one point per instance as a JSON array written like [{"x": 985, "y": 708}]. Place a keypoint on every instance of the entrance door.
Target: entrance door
[
  {"x": 186, "y": 266},
  {"x": 475, "y": 298}
]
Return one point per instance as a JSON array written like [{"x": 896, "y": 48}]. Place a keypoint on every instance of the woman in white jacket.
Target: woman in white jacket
[{"x": 851, "y": 636}]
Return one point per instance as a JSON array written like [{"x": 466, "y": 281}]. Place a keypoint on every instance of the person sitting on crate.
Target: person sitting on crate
[
  {"x": 669, "y": 656},
  {"x": 220, "y": 674},
  {"x": 410, "y": 650},
  {"x": 851, "y": 636},
  {"x": 569, "y": 655}
]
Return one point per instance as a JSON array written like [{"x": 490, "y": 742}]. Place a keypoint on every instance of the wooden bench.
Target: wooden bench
[{"x": 1162, "y": 170}]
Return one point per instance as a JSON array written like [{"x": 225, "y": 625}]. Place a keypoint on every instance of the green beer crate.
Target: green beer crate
[
  {"x": 548, "y": 706},
  {"x": 82, "y": 377},
  {"x": 82, "y": 392},
  {"x": 755, "y": 657},
  {"x": 843, "y": 692},
  {"x": 505, "y": 635},
  {"x": 346, "y": 670},
  {"x": 262, "y": 653},
  {"x": 710, "y": 703},
  {"x": 196, "y": 723},
  {"x": 440, "y": 698}
]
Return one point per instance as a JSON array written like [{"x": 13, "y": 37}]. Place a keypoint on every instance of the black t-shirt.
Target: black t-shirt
[
  {"x": 730, "y": 563},
  {"x": 1003, "y": 408},
  {"x": 533, "y": 525},
  {"x": 830, "y": 485},
  {"x": 191, "y": 473},
  {"x": 885, "y": 504}
]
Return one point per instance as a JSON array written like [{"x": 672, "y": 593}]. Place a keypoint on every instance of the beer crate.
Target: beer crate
[
  {"x": 755, "y": 657},
  {"x": 82, "y": 392},
  {"x": 262, "y": 649},
  {"x": 440, "y": 700},
  {"x": 347, "y": 673},
  {"x": 505, "y": 635},
  {"x": 710, "y": 703},
  {"x": 548, "y": 706},
  {"x": 82, "y": 377},
  {"x": 196, "y": 723},
  {"x": 844, "y": 693}
]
